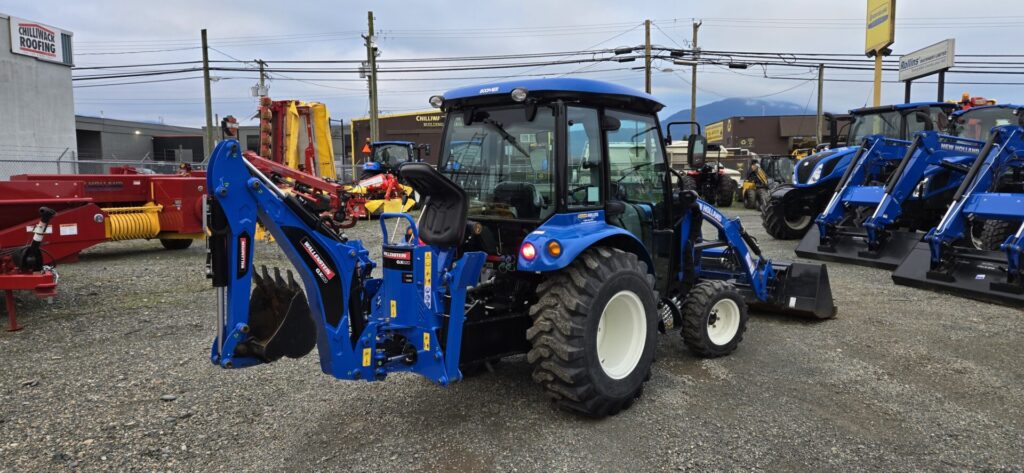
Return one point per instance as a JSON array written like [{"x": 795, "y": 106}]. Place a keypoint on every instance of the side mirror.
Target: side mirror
[{"x": 696, "y": 150}]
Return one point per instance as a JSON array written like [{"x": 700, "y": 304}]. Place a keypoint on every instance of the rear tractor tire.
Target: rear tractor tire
[
  {"x": 726, "y": 192},
  {"x": 780, "y": 227},
  {"x": 714, "y": 319},
  {"x": 176, "y": 243},
  {"x": 593, "y": 334}
]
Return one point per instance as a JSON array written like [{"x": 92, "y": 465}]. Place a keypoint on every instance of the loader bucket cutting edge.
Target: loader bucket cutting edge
[
  {"x": 801, "y": 289},
  {"x": 847, "y": 249},
  {"x": 972, "y": 279}
]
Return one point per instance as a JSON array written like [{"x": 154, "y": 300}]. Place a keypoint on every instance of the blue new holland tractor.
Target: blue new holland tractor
[
  {"x": 792, "y": 208},
  {"x": 894, "y": 188},
  {"x": 556, "y": 229}
]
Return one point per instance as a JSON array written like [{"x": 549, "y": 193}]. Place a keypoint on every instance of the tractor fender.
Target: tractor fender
[{"x": 575, "y": 232}]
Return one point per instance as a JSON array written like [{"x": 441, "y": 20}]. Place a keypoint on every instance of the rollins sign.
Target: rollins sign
[{"x": 44, "y": 42}]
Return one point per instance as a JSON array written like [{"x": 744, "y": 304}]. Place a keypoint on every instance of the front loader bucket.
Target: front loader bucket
[
  {"x": 971, "y": 276},
  {"x": 854, "y": 249},
  {"x": 801, "y": 289}
]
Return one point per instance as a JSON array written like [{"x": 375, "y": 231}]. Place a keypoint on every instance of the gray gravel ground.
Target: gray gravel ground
[{"x": 114, "y": 375}]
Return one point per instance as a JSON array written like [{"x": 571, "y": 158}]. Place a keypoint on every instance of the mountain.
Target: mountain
[{"x": 722, "y": 109}]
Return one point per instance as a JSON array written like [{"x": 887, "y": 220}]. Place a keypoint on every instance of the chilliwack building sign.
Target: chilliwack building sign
[{"x": 43, "y": 42}]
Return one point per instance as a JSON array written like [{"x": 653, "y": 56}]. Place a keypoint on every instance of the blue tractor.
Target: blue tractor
[
  {"x": 386, "y": 156},
  {"x": 993, "y": 190},
  {"x": 556, "y": 229},
  {"x": 792, "y": 208},
  {"x": 876, "y": 222}
]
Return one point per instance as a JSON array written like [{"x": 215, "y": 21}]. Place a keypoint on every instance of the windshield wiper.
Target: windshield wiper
[{"x": 506, "y": 136}]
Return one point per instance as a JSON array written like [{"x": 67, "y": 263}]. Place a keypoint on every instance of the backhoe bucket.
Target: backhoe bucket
[
  {"x": 976, "y": 274},
  {"x": 800, "y": 289},
  {"x": 279, "y": 319},
  {"x": 854, "y": 249}
]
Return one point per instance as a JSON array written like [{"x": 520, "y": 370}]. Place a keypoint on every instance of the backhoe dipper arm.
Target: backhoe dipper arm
[
  {"x": 329, "y": 266},
  {"x": 363, "y": 327}
]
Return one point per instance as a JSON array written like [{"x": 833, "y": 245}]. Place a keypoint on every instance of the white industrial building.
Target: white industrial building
[{"x": 37, "y": 109}]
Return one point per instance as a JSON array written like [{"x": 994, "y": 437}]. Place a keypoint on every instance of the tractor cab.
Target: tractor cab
[
  {"x": 567, "y": 150},
  {"x": 386, "y": 156}
]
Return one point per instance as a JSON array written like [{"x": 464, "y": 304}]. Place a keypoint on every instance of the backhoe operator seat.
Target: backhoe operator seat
[
  {"x": 523, "y": 196},
  {"x": 443, "y": 221}
]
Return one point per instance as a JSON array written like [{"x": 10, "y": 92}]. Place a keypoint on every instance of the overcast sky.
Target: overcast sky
[{"x": 105, "y": 30}]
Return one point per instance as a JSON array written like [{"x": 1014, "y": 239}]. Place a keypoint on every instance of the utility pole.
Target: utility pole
[
  {"x": 371, "y": 60},
  {"x": 821, "y": 83},
  {"x": 693, "y": 78},
  {"x": 206, "y": 93},
  {"x": 878, "y": 78},
  {"x": 647, "y": 56},
  {"x": 262, "y": 90}
]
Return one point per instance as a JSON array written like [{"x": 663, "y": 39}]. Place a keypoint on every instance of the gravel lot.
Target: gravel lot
[{"x": 114, "y": 375}]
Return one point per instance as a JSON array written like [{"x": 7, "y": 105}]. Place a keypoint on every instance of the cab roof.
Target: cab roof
[
  {"x": 400, "y": 143},
  {"x": 983, "y": 107},
  {"x": 567, "y": 88},
  {"x": 901, "y": 106}
]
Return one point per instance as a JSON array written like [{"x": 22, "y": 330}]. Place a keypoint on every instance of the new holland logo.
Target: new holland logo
[
  {"x": 243, "y": 254},
  {"x": 322, "y": 270}
]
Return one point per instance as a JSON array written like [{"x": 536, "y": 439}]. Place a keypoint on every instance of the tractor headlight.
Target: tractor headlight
[
  {"x": 815, "y": 175},
  {"x": 519, "y": 94},
  {"x": 436, "y": 101},
  {"x": 919, "y": 190}
]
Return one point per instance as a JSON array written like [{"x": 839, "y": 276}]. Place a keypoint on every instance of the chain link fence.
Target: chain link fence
[{"x": 36, "y": 160}]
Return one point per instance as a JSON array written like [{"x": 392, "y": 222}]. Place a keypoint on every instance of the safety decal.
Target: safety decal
[
  {"x": 394, "y": 308},
  {"x": 367, "y": 356},
  {"x": 427, "y": 273},
  {"x": 426, "y": 341}
]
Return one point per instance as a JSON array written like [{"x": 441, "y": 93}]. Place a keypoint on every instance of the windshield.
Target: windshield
[
  {"x": 391, "y": 155},
  {"x": 885, "y": 123},
  {"x": 888, "y": 124},
  {"x": 503, "y": 161},
  {"x": 976, "y": 123}
]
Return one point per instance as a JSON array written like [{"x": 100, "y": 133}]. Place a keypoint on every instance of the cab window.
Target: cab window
[
  {"x": 584, "y": 158},
  {"x": 635, "y": 160}
]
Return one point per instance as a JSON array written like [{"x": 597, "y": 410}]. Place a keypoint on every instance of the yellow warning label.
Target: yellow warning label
[
  {"x": 426, "y": 341},
  {"x": 367, "y": 356},
  {"x": 426, "y": 269},
  {"x": 394, "y": 308}
]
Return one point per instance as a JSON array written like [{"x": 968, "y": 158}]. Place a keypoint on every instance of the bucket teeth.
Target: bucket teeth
[{"x": 279, "y": 316}]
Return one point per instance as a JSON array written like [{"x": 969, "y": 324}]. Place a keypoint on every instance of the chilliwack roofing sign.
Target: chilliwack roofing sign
[{"x": 43, "y": 42}]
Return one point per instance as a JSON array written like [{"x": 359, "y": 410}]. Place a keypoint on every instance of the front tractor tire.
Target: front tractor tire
[
  {"x": 593, "y": 334},
  {"x": 779, "y": 225},
  {"x": 714, "y": 319}
]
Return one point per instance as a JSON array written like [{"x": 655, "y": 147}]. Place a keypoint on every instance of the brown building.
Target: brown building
[
  {"x": 768, "y": 134},
  {"x": 419, "y": 127}
]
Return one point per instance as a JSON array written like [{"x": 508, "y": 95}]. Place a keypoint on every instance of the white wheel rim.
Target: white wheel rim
[
  {"x": 723, "y": 322},
  {"x": 975, "y": 232},
  {"x": 621, "y": 334},
  {"x": 798, "y": 223}
]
